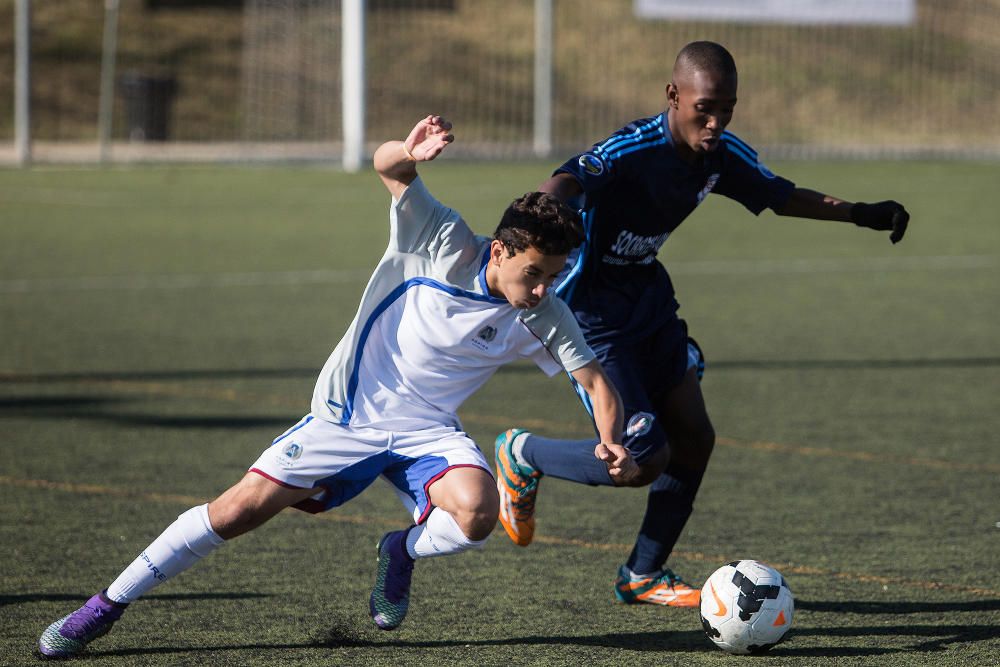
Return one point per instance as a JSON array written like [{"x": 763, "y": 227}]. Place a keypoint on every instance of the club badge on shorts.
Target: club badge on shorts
[{"x": 289, "y": 454}]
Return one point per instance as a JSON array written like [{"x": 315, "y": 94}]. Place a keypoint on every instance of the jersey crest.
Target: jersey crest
[{"x": 592, "y": 164}]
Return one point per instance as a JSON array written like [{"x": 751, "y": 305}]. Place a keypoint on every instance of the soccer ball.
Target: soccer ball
[{"x": 746, "y": 607}]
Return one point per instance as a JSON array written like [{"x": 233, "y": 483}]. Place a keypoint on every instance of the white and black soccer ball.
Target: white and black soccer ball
[{"x": 746, "y": 607}]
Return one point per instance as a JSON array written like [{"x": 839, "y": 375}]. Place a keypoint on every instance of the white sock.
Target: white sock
[
  {"x": 186, "y": 541},
  {"x": 517, "y": 447},
  {"x": 439, "y": 536}
]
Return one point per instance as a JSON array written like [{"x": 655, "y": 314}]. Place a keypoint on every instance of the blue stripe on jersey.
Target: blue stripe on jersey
[
  {"x": 732, "y": 137},
  {"x": 566, "y": 287},
  {"x": 305, "y": 420},
  {"x": 642, "y": 134},
  {"x": 741, "y": 152},
  {"x": 352, "y": 383},
  {"x": 611, "y": 142},
  {"x": 656, "y": 141}
]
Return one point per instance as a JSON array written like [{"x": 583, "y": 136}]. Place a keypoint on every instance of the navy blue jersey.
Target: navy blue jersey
[{"x": 637, "y": 190}]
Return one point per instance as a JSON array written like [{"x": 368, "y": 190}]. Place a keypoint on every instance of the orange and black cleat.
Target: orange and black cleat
[
  {"x": 518, "y": 486},
  {"x": 665, "y": 588}
]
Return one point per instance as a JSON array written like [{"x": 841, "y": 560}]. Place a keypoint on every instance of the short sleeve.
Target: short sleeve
[
  {"x": 552, "y": 324},
  {"x": 747, "y": 180},
  {"x": 416, "y": 219},
  {"x": 592, "y": 170}
]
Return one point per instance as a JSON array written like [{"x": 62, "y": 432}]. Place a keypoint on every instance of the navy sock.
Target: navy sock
[
  {"x": 670, "y": 502},
  {"x": 566, "y": 459}
]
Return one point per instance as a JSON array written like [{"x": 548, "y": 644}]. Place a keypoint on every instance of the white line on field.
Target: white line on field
[
  {"x": 185, "y": 281},
  {"x": 837, "y": 265},
  {"x": 341, "y": 276}
]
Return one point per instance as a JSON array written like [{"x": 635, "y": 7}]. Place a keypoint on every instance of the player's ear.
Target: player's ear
[
  {"x": 496, "y": 251},
  {"x": 672, "y": 95}
]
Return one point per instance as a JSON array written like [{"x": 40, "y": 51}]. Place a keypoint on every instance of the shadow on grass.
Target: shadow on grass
[
  {"x": 96, "y": 409},
  {"x": 27, "y": 406},
  {"x": 149, "y": 375},
  {"x": 517, "y": 368},
  {"x": 937, "y": 638},
  {"x": 689, "y": 640},
  {"x": 867, "y": 607},
  {"x": 80, "y": 598}
]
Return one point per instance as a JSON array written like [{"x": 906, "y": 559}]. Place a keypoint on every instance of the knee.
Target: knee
[
  {"x": 233, "y": 515},
  {"x": 693, "y": 448},
  {"x": 704, "y": 443},
  {"x": 707, "y": 436},
  {"x": 478, "y": 519}
]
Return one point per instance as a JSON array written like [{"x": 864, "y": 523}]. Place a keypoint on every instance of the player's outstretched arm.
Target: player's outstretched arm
[
  {"x": 609, "y": 416},
  {"x": 887, "y": 216},
  {"x": 395, "y": 161}
]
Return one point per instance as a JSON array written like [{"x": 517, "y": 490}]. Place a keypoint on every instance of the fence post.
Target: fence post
[
  {"x": 22, "y": 82},
  {"x": 105, "y": 109},
  {"x": 542, "y": 143},
  {"x": 353, "y": 78}
]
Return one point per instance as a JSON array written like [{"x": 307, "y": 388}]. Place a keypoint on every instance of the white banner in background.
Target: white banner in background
[{"x": 858, "y": 12}]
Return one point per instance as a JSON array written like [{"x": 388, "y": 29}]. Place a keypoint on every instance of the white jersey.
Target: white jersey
[{"x": 428, "y": 334}]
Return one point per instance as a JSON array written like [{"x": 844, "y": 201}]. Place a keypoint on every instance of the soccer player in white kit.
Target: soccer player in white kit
[{"x": 443, "y": 310}]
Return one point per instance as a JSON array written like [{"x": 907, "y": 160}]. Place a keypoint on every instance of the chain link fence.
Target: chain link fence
[{"x": 261, "y": 79}]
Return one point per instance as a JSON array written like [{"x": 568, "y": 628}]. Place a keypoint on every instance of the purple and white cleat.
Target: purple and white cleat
[
  {"x": 69, "y": 635},
  {"x": 390, "y": 597}
]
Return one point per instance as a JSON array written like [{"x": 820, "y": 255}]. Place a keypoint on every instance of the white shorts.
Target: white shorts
[{"x": 342, "y": 461}]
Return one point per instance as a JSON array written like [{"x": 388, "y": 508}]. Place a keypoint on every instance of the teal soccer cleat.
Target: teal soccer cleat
[{"x": 390, "y": 597}]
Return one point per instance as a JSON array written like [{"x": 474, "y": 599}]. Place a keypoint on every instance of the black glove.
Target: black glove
[{"x": 883, "y": 216}]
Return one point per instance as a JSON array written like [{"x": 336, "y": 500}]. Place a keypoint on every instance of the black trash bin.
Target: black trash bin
[{"x": 148, "y": 100}]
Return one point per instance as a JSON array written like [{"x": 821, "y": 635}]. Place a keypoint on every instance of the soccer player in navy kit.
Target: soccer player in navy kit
[{"x": 638, "y": 186}]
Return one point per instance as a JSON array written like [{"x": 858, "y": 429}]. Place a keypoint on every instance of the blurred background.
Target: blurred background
[{"x": 233, "y": 80}]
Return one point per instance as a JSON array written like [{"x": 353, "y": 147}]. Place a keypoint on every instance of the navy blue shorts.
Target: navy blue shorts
[{"x": 644, "y": 371}]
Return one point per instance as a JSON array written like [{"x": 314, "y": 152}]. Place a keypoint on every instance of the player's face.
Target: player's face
[
  {"x": 524, "y": 278},
  {"x": 701, "y": 106}
]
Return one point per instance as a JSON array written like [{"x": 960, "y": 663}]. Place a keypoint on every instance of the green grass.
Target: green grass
[{"x": 855, "y": 401}]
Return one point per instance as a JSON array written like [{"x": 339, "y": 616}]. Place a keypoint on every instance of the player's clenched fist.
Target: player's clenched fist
[
  {"x": 889, "y": 216},
  {"x": 621, "y": 466}
]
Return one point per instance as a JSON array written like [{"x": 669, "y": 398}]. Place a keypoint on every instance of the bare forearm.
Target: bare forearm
[
  {"x": 608, "y": 418},
  {"x": 886, "y": 215},
  {"x": 609, "y": 414},
  {"x": 396, "y": 168},
  {"x": 805, "y": 203}
]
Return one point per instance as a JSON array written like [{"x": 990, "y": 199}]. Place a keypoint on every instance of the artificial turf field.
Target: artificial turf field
[{"x": 161, "y": 326}]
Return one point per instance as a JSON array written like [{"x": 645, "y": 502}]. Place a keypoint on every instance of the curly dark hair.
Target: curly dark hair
[{"x": 539, "y": 220}]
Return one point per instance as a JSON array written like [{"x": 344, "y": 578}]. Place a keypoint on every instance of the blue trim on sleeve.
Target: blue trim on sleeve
[
  {"x": 740, "y": 152},
  {"x": 733, "y": 138},
  {"x": 658, "y": 141},
  {"x": 641, "y": 133}
]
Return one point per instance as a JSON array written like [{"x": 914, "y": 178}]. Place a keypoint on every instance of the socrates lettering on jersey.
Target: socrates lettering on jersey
[
  {"x": 637, "y": 190},
  {"x": 428, "y": 334}
]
